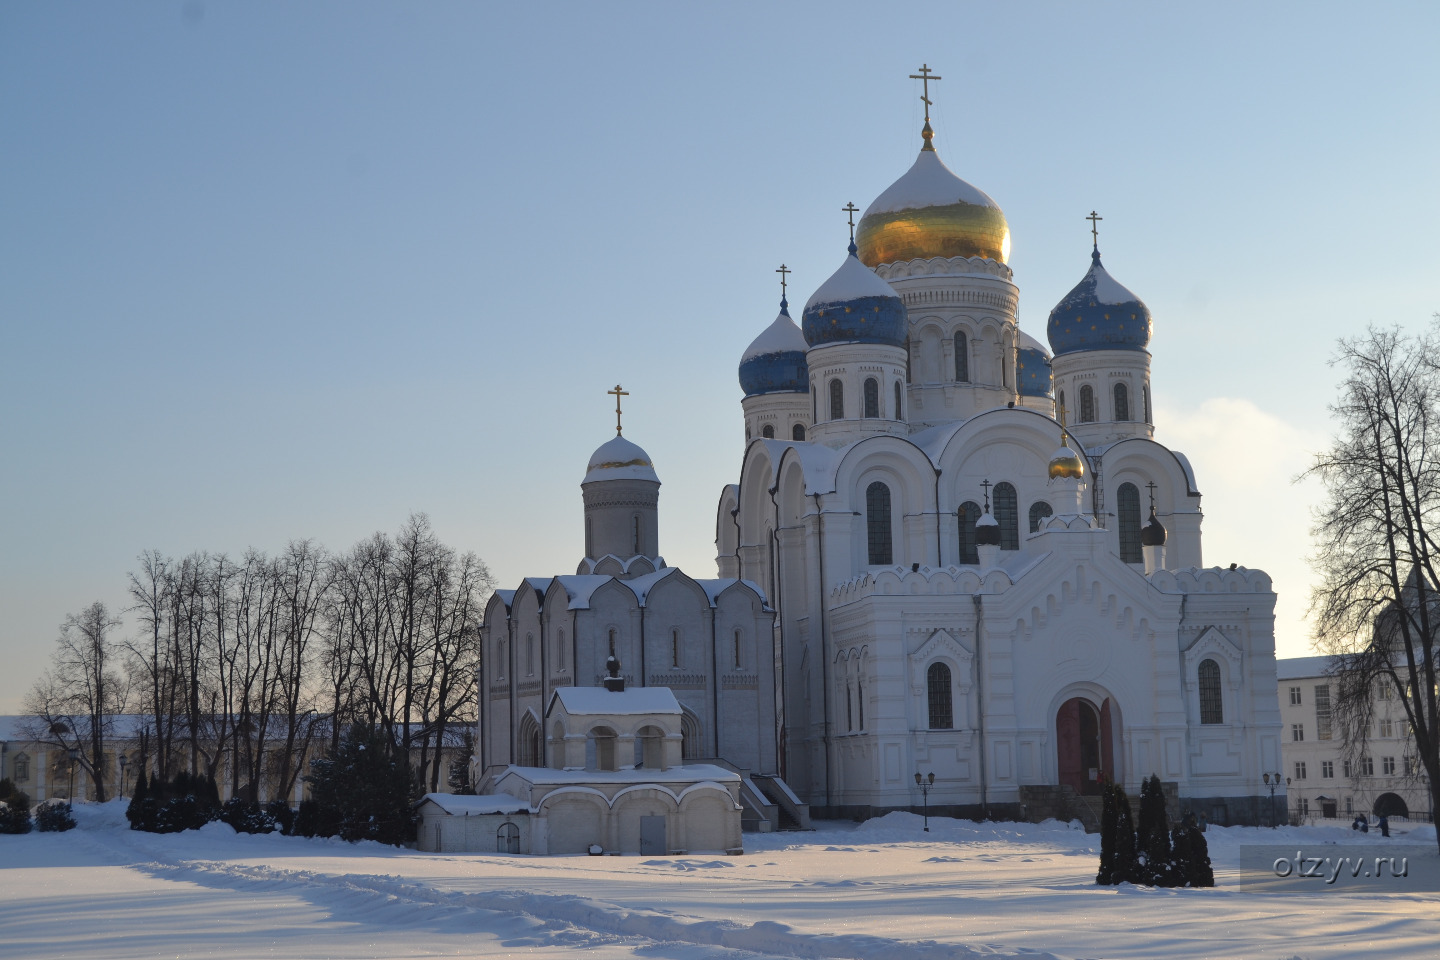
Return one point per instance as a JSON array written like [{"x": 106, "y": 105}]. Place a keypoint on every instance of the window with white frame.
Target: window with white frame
[
  {"x": 1327, "y": 769},
  {"x": 1294, "y": 696},
  {"x": 1387, "y": 766},
  {"x": 1299, "y": 769},
  {"x": 1297, "y": 732}
]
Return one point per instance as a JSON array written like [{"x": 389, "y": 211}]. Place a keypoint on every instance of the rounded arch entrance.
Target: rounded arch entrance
[
  {"x": 1087, "y": 734},
  {"x": 1390, "y": 805}
]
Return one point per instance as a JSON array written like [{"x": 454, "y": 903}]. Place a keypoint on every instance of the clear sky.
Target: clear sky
[{"x": 273, "y": 271}]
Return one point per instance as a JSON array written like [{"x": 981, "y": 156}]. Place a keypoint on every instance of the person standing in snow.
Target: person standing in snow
[{"x": 1384, "y": 826}]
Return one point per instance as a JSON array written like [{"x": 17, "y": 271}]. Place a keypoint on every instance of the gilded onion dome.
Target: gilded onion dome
[
  {"x": 930, "y": 212},
  {"x": 619, "y": 459},
  {"x": 1099, "y": 314},
  {"x": 775, "y": 361},
  {"x": 854, "y": 306},
  {"x": 1032, "y": 368},
  {"x": 1066, "y": 462}
]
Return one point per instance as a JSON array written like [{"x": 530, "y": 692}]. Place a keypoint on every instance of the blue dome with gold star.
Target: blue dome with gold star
[
  {"x": 1099, "y": 314},
  {"x": 775, "y": 361},
  {"x": 1032, "y": 368},
  {"x": 854, "y": 306}
]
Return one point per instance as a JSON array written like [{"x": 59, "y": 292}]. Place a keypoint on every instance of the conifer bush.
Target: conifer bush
[
  {"x": 53, "y": 816},
  {"x": 1155, "y": 855},
  {"x": 14, "y": 809},
  {"x": 367, "y": 788}
]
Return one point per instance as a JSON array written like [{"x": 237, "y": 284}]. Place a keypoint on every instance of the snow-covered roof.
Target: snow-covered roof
[
  {"x": 125, "y": 726},
  {"x": 619, "y": 459},
  {"x": 1109, "y": 290},
  {"x": 713, "y": 588},
  {"x": 782, "y": 336},
  {"x": 928, "y": 183},
  {"x": 458, "y": 805},
  {"x": 1028, "y": 342},
  {"x": 851, "y": 282},
  {"x": 591, "y": 701},
  {"x": 689, "y": 773},
  {"x": 1300, "y": 668}
]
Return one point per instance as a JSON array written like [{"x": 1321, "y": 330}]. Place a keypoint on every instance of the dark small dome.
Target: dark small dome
[
  {"x": 987, "y": 531},
  {"x": 1099, "y": 314},
  {"x": 1152, "y": 534},
  {"x": 854, "y": 306}
]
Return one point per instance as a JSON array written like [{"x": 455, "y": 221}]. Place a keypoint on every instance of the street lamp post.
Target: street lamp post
[
  {"x": 70, "y": 797},
  {"x": 1272, "y": 780},
  {"x": 124, "y": 762},
  {"x": 925, "y": 783}
]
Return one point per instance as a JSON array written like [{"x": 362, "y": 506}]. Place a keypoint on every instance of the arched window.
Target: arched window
[
  {"x": 675, "y": 648},
  {"x": 635, "y": 532},
  {"x": 899, "y": 411},
  {"x": 860, "y": 699},
  {"x": 1212, "y": 709},
  {"x": 738, "y": 640},
  {"x": 937, "y": 685},
  {"x": 1007, "y": 514},
  {"x": 529, "y": 654},
  {"x": 501, "y": 661},
  {"x": 1145, "y": 394},
  {"x": 768, "y": 432},
  {"x": 1122, "y": 402},
  {"x": 814, "y": 404},
  {"x": 560, "y": 651},
  {"x": 797, "y": 432},
  {"x": 612, "y": 641},
  {"x": 1087, "y": 404},
  {"x": 877, "y": 523},
  {"x": 529, "y": 742},
  {"x": 969, "y": 513},
  {"x": 872, "y": 397},
  {"x": 1127, "y": 506},
  {"x": 1060, "y": 406},
  {"x": 837, "y": 400},
  {"x": 690, "y": 744},
  {"x": 1039, "y": 510},
  {"x": 22, "y": 767},
  {"x": 590, "y": 535},
  {"x": 849, "y": 709},
  {"x": 962, "y": 358},
  {"x": 1007, "y": 357},
  {"x": 747, "y": 433}
]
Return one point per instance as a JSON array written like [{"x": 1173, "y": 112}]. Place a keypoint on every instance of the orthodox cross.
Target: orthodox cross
[
  {"x": 925, "y": 76},
  {"x": 1151, "y": 487},
  {"x": 1094, "y": 232},
  {"x": 782, "y": 271},
  {"x": 987, "y": 485},
  {"x": 1064, "y": 434},
  {"x": 618, "y": 393},
  {"x": 851, "y": 209}
]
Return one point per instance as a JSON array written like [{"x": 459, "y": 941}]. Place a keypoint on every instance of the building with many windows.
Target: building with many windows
[
  {"x": 950, "y": 550},
  {"x": 1327, "y": 782}
]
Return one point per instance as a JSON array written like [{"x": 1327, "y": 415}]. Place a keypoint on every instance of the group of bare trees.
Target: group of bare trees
[
  {"x": 237, "y": 669},
  {"x": 1377, "y": 604}
]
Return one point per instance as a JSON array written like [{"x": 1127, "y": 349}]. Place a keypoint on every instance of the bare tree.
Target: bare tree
[
  {"x": 1376, "y": 607},
  {"x": 74, "y": 705}
]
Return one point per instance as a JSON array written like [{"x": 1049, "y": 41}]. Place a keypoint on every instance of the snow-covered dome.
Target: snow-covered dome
[
  {"x": 775, "y": 361},
  {"x": 854, "y": 306},
  {"x": 987, "y": 530},
  {"x": 930, "y": 212},
  {"x": 1099, "y": 314},
  {"x": 1032, "y": 368},
  {"x": 1066, "y": 463},
  {"x": 619, "y": 459}
]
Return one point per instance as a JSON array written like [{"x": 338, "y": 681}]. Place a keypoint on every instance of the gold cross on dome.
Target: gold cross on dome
[
  {"x": 782, "y": 271},
  {"x": 618, "y": 393},
  {"x": 1095, "y": 218},
  {"x": 851, "y": 209},
  {"x": 925, "y": 76}
]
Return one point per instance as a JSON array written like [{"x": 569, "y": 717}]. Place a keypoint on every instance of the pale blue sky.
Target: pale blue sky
[{"x": 272, "y": 270}]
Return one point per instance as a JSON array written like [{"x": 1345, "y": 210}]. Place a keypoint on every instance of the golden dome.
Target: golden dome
[
  {"x": 930, "y": 212},
  {"x": 1067, "y": 463}
]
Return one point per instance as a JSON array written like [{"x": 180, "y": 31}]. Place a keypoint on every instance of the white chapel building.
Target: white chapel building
[{"x": 950, "y": 550}]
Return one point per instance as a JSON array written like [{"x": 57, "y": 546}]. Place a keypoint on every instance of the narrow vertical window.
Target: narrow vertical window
[
  {"x": 1212, "y": 709},
  {"x": 1007, "y": 514},
  {"x": 1145, "y": 395},
  {"x": 837, "y": 400},
  {"x": 969, "y": 513},
  {"x": 768, "y": 432},
  {"x": 1127, "y": 506},
  {"x": 590, "y": 535},
  {"x": 937, "y": 685},
  {"x": 635, "y": 532},
  {"x": 877, "y": 524},
  {"x": 1060, "y": 407},
  {"x": 502, "y": 660},
  {"x": 560, "y": 652},
  {"x": 1122, "y": 402},
  {"x": 962, "y": 358},
  {"x": 797, "y": 432},
  {"x": 1039, "y": 510},
  {"x": 1007, "y": 357},
  {"x": 737, "y": 649},
  {"x": 872, "y": 398},
  {"x": 674, "y": 648},
  {"x": 1087, "y": 404},
  {"x": 1323, "y": 729},
  {"x": 529, "y": 654},
  {"x": 612, "y": 641},
  {"x": 814, "y": 404},
  {"x": 860, "y": 699},
  {"x": 849, "y": 711},
  {"x": 899, "y": 411}
]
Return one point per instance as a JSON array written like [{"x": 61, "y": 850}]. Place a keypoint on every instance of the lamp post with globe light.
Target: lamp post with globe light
[{"x": 925, "y": 783}]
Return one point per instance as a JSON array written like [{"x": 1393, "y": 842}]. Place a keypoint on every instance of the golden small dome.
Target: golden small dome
[
  {"x": 930, "y": 212},
  {"x": 1067, "y": 463}
]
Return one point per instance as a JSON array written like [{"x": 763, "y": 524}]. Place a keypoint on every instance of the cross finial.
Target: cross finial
[
  {"x": 1064, "y": 433},
  {"x": 987, "y": 485},
  {"x": 851, "y": 209},
  {"x": 1151, "y": 487},
  {"x": 1095, "y": 218},
  {"x": 925, "y": 76},
  {"x": 783, "y": 271},
  {"x": 618, "y": 393}
]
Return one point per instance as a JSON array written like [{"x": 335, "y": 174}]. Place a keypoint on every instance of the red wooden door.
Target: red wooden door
[
  {"x": 1067, "y": 740},
  {"x": 1107, "y": 743}
]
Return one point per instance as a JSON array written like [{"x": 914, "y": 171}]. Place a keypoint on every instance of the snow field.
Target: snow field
[{"x": 882, "y": 890}]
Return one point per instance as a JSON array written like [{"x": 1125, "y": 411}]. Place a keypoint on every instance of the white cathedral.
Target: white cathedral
[{"x": 948, "y": 552}]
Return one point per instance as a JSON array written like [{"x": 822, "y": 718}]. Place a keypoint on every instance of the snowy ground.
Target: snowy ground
[{"x": 875, "y": 891}]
